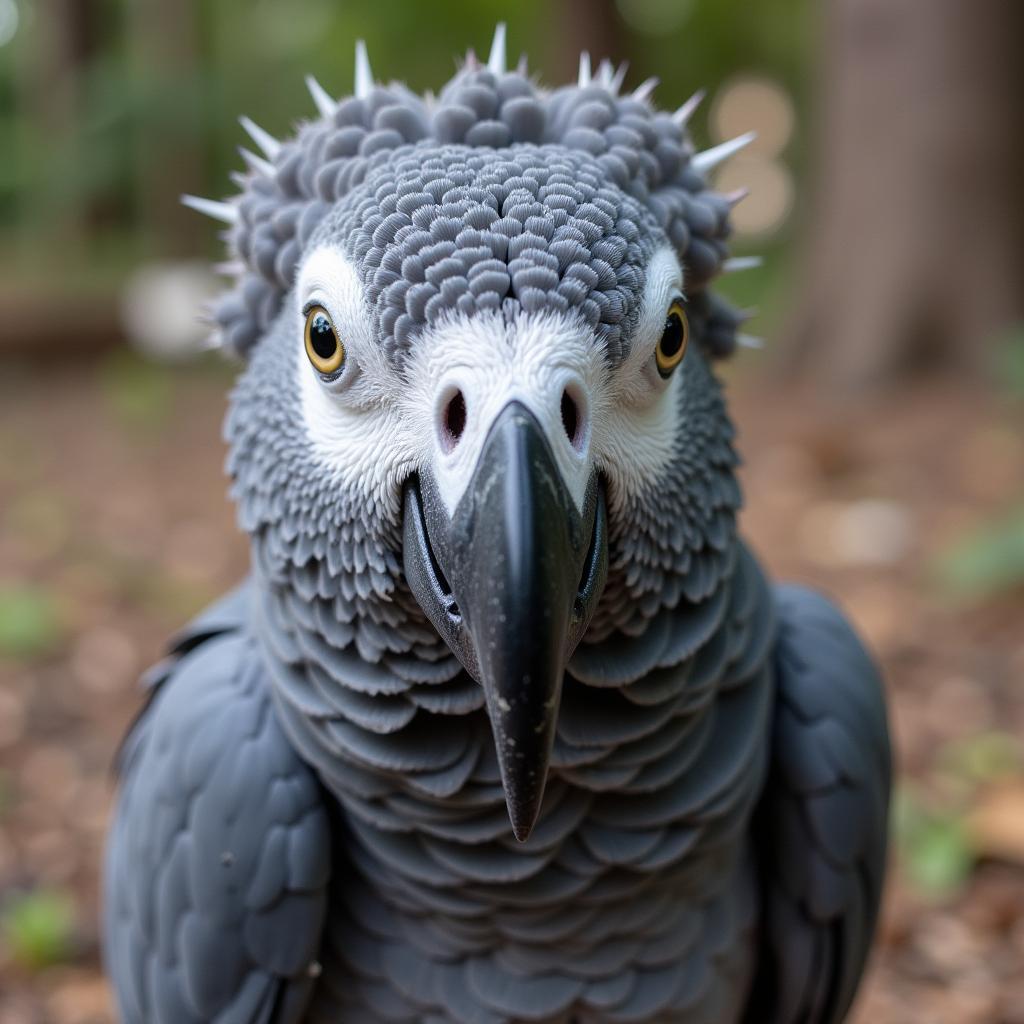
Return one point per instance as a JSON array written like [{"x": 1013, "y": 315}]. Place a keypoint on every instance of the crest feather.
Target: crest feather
[
  {"x": 226, "y": 213},
  {"x": 497, "y": 60},
  {"x": 262, "y": 138},
  {"x": 711, "y": 158},
  {"x": 324, "y": 104},
  {"x": 364, "y": 75},
  {"x": 583, "y": 80},
  {"x": 644, "y": 152}
]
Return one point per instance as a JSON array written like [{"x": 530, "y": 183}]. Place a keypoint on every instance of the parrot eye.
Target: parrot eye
[
  {"x": 672, "y": 345},
  {"x": 324, "y": 348}
]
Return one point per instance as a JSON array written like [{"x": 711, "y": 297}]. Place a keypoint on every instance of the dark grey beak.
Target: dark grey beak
[{"x": 511, "y": 581}]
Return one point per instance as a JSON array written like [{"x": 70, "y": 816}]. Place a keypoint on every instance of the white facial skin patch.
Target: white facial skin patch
[{"x": 373, "y": 426}]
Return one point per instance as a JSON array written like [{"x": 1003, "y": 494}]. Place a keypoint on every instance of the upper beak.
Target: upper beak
[{"x": 511, "y": 581}]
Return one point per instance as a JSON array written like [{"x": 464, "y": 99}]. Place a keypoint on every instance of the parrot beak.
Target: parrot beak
[{"x": 511, "y": 581}]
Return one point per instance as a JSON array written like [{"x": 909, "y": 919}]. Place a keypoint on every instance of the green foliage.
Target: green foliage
[
  {"x": 38, "y": 928},
  {"x": 29, "y": 622},
  {"x": 1009, "y": 362},
  {"x": 985, "y": 563},
  {"x": 934, "y": 845}
]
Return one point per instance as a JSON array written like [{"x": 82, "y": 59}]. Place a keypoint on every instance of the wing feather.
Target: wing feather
[
  {"x": 821, "y": 828},
  {"x": 218, "y": 860}
]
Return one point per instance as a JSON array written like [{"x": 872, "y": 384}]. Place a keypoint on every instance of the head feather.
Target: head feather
[{"x": 638, "y": 149}]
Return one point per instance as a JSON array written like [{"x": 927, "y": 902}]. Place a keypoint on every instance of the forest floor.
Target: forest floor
[{"x": 115, "y": 527}]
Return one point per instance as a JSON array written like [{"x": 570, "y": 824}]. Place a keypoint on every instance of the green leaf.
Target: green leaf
[
  {"x": 37, "y": 927},
  {"x": 940, "y": 858},
  {"x": 934, "y": 845},
  {"x": 29, "y": 622},
  {"x": 986, "y": 562}
]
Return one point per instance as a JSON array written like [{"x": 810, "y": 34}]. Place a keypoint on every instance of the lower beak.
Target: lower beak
[{"x": 511, "y": 581}]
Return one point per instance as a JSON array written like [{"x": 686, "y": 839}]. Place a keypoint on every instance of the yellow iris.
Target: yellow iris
[
  {"x": 672, "y": 344},
  {"x": 323, "y": 346}
]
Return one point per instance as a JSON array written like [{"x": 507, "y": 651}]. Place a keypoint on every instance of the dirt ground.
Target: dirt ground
[{"x": 114, "y": 527}]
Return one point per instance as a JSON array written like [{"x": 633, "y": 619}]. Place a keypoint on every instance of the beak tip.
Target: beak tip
[
  {"x": 524, "y": 782},
  {"x": 522, "y": 825}
]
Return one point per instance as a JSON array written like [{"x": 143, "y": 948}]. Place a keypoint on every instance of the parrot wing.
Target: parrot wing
[
  {"x": 821, "y": 828},
  {"x": 219, "y": 855}
]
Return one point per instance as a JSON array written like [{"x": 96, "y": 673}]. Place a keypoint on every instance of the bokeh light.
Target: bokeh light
[
  {"x": 754, "y": 103},
  {"x": 762, "y": 105},
  {"x": 9, "y": 18},
  {"x": 768, "y": 206}
]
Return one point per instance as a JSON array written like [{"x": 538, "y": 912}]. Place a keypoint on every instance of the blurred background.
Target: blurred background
[{"x": 881, "y": 424}]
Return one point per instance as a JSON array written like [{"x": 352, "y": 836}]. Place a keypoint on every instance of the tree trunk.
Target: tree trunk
[
  {"x": 51, "y": 88},
  {"x": 590, "y": 25},
  {"x": 162, "y": 39},
  {"x": 916, "y": 239}
]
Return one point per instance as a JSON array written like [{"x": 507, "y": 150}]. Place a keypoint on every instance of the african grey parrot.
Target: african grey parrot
[{"x": 488, "y": 477}]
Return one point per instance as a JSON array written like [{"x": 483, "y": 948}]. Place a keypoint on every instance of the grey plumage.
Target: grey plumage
[
  {"x": 823, "y": 816},
  {"x": 222, "y": 845},
  {"x": 634, "y": 147},
  {"x": 312, "y": 824}
]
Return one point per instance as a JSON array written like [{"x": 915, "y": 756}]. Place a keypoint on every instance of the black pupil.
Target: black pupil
[
  {"x": 321, "y": 337},
  {"x": 672, "y": 339}
]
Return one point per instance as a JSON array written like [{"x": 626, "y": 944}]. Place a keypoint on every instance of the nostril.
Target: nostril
[
  {"x": 454, "y": 421},
  {"x": 571, "y": 419}
]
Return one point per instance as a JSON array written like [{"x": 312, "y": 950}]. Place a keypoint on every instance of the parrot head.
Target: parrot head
[{"x": 478, "y": 417}]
